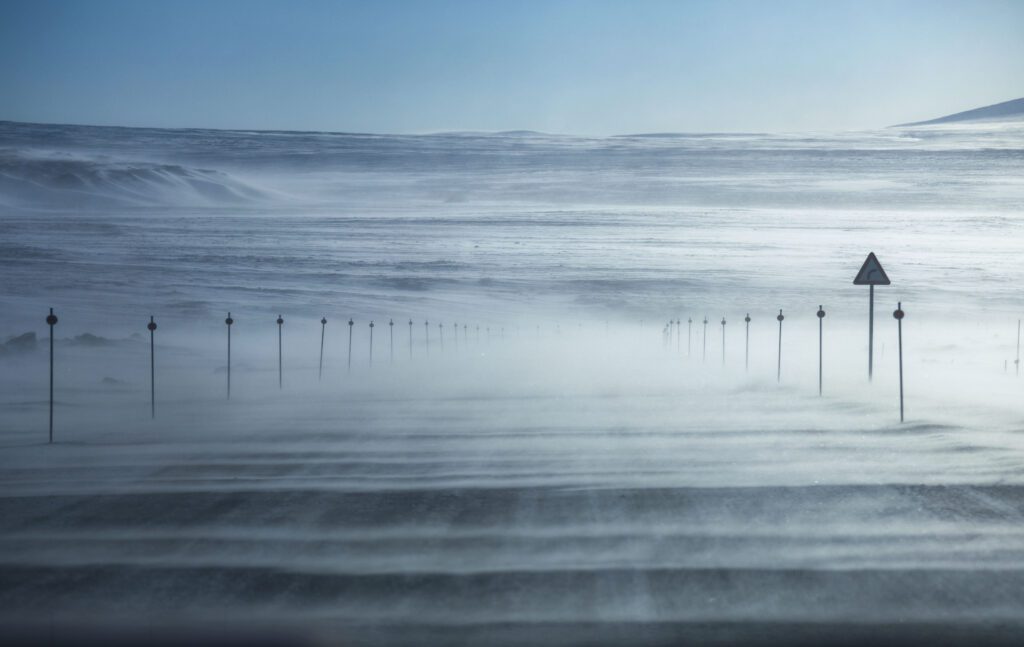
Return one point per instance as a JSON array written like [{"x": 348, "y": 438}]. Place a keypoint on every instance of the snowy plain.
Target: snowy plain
[{"x": 556, "y": 472}]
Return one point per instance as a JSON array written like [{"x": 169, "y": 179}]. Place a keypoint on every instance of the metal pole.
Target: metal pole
[
  {"x": 778, "y": 376},
  {"x": 152, "y": 368},
  {"x": 746, "y": 351},
  {"x": 821, "y": 346},
  {"x": 723, "y": 341},
  {"x": 371, "y": 343},
  {"x": 51, "y": 319},
  {"x": 280, "y": 363},
  {"x": 679, "y": 333},
  {"x": 1016, "y": 362},
  {"x": 689, "y": 334},
  {"x": 426, "y": 332},
  {"x": 898, "y": 314},
  {"x": 871, "y": 331},
  {"x": 410, "y": 339},
  {"x": 704, "y": 356},
  {"x": 229, "y": 321},
  {"x": 323, "y": 331},
  {"x": 456, "y": 335},
  {"x": 350, "y": 325},
  {"x": 391, "y": 332},
  {"x": 440, "y": 334}
]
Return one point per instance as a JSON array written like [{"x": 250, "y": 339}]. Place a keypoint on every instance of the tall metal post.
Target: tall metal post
[
  {"x": 51, "y": 320},
  {"x": 323, "y": 332},
  {"x": 152, "y": 368},
  {"x": 371, "y": 343},
  {"x": 229, "y": 321},
  {"x": 410, "y": 339},
  {"x": 350, "y": 325},
  {"x": 898, "y": 315},
  {"x": 778, "y": 376},
  {"x": 689, "y": 334},
  {"x": 746, "y": 350},
  {"x": 723, "y": 341},
  {"x": 426, "y": 339},
  {"x": 280, "y": 358},
  {"x": 871, "y": 331},
  {"x": 821, "y": 346},
  {"x": 704, "y": 355},
  {"x": 391, "y": 332},
  {"x": 1016, "y": 362}
]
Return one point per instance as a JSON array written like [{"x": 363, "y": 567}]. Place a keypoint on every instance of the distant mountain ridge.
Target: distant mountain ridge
[{"x": 1004, "y": 110}]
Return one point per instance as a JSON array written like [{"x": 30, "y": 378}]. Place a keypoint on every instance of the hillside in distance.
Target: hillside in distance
[{"x": 1007, "y": 110}]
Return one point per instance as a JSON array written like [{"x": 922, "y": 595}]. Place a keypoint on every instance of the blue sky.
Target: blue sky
[{"x": 590, "y": 67}]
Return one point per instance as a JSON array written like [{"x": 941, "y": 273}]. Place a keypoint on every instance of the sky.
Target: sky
[{"x": 579, "y": 67}]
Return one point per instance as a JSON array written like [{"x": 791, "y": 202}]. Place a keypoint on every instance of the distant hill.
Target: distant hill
[{"x": 1005, "y": 110}]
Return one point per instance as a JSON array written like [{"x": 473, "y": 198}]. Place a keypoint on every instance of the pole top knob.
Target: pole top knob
[
  {"x": 351, "y": 323},
  {"x": 51, "y": 318},
  {"x": 898, "y": 313},
  {"x": 723, "y": 321},
  {"x": 689, "y": 320},
  {"x": 371, "y": 324},
  {"x": 821, "y": 312},
  {"x": 280, "y": 320},
  {"x": 324, "y": 321},
  {"x": 152, "y": 325},
  {"x": 391, "y": 322},
  {"x": 780, "y": 317},
  {"x": 229, "y": 320},
  {"x": 747, "y": 318}
]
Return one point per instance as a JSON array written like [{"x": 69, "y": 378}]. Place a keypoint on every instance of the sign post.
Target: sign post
[
  {"x": 871, "y": 274},
  {"x": 821, "y": 332},
  {"x": 51, "y": 320},
  {"x": 152, "y": 368},
  {"x": 323, "y": 330},
  {"x": 723, "y": 341},
  {"x": 350, "y": 324},
  {"x": 898, "y": 315},
  {"x": 371, "y": 343},
  {"x": 746, "y": 352},
  {"x": 704, "y": 351},
  {"x": 229, "y": 321},
  {"x": 280, "y": 363},
  {"x": 778, "y": 375}
]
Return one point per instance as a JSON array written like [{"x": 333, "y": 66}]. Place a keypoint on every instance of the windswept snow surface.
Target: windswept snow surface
[{"x": 553, "y": 471}]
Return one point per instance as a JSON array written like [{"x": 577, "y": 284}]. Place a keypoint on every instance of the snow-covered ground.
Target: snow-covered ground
[{"x": 556, "y": 472}]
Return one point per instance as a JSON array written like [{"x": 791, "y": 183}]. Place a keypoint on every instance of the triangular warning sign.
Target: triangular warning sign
[{"x": 871, "y": 272}]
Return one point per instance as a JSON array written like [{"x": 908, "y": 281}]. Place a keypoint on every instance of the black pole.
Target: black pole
[
  {"x": 350, "y": 325},
  {"x": 280, "y": 363},
  {"x": 778, "y": 376},
  {"x": 704, "y": 351},
  {"x": 1016, "y": 362},
  {"x": 229, "y": 321},
  {"x": 746, "y": 351},
  {"x": 723, "y": 341},
  {"x": 426, "y": 338},
  {"x": 152, "y": 368},
  {"x": 871, "y": 331},
  {"x": 323, "y": 331},
  {"x": 391, "y": 334},
  {"x": 51, "y": 319},
  {"x": 371, "y": 343},
  {"x": 410, "y": 338},
  {"x": 898, "y": 314},
  {"x": 821, "y": 345}
]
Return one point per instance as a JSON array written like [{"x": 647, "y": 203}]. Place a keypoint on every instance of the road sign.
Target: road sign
[{"x": 871, "y": 272}]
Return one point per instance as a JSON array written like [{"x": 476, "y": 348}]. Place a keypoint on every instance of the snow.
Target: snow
[{"x": 559, "y": 475}]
